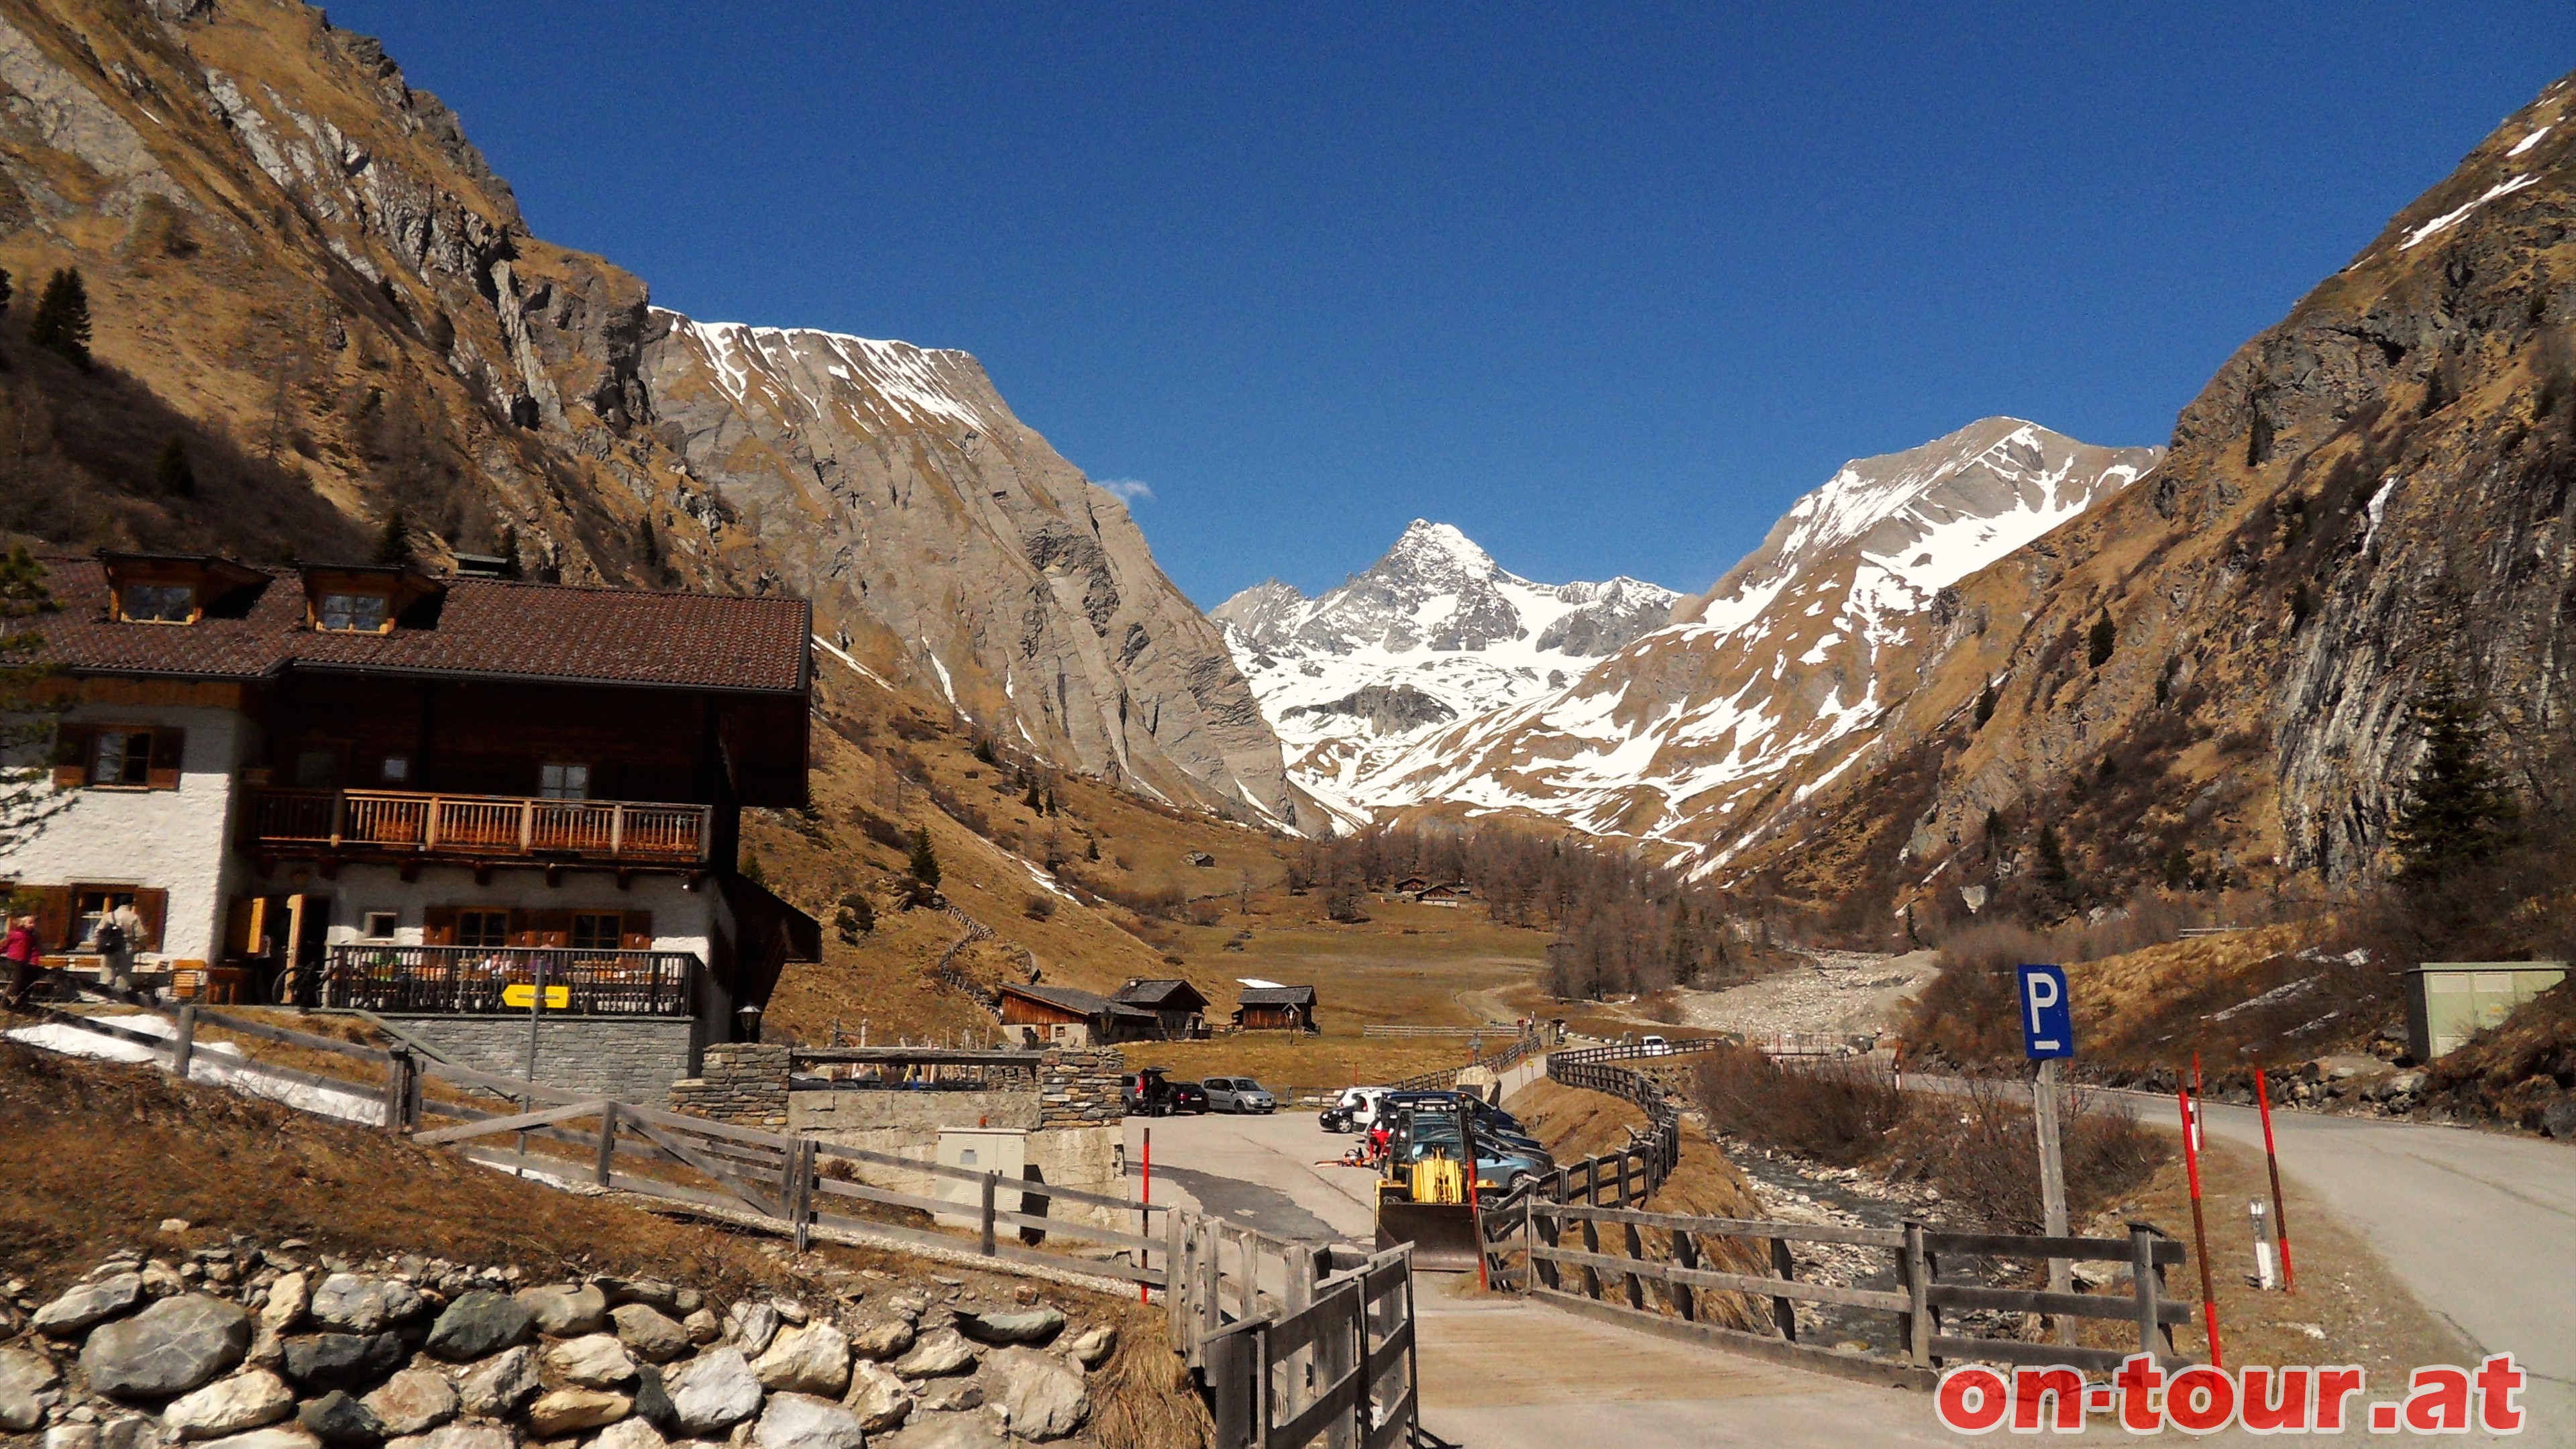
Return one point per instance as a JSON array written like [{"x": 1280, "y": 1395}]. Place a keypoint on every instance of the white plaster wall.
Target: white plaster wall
[
  {"x": 681, "y": 917},
  {"x": 173, "y": 840}
]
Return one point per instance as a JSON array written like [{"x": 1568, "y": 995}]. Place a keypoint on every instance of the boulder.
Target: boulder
[
  {"x": 288, "y": 1297},
  {"x": 949, "y": 1396},
  {"x": 654, "y": 1293},
  {"x": 814, "y": 1359},
  {"x": 2558, "y": 1119},
  {"x": 167, "y": 1349},
  {"x": 88, "y": 1304},
  {"x": 631, "y": 1432},
  {"x": 479, "y": 1324},
  {"x": 284, "y": 1436},
  {"x": 751, "y": 1326},
  {"x": 882, "y": 1338},
  {"x": 563, "y": 1311},
  {"x": 569, "y": 1411},
  {"x": 336, "y": 1418},
  {"x": 463, "y": 1434},
  {"x": 1092, "y": 1346},
  {"x": 134, "y": 1431},
  {"x": 943, "y": 1351},
  {"x": 647, "y": 1333},
  {"x": 703, "y": 1326},
  {"x": 495, "y": 1389},
  {"x": 1037, "y": 1325},
  {"x": 414, "y": 1401},
  {"x": 799, "y": 1421},
  {"x": 948, "y": 1431},
  {"x": 72, "y": 1436},
  {"x": 1040, "y": 1396},
  {"x": 160, "y": 1280},
  {"x": 877, "y": 1397},
  {"x": 592, "y": 1361},
  {"x": 652, "y": 1401},
  {"x": 23, "y": 1376},
  {"x": 712, "y": 1392},
  {"x": 353, "y": 1304},
  {"x": 319, "y": 1362},
  {"x": 247, "y": 1400}
]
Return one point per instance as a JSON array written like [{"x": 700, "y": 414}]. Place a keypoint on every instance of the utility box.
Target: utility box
[
  {"x": 1003, "y": 1151},
  {"x": 2447, "y": 1002}
]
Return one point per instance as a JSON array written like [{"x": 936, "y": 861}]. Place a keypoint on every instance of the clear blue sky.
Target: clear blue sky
[{"x": 1607, "y": 287}]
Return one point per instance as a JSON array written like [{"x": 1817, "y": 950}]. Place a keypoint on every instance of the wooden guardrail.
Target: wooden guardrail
[
  {"x": 1619, "y": 1279},
  {"x": 1337, "y": 1362}
]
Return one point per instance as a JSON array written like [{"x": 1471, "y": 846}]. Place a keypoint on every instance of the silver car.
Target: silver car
[{"x": 1238, "y": 1094}]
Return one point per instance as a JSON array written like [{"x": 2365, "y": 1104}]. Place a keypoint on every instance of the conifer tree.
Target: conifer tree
[
  {"x": 2104, "y": 638},
  {"x": 2052, "y": 860},
  {"x": 925, "y": 863},
  {"x": 170, "y": 470},
  {"x": 61, "y": 323},
  {"x": 1985, "y": 705},
  {"x": 752, "y": 869},
  {"x": 2457, "y": 810},
  {"x": 393, "y": 546},
  {"x": 1034, "y": 804}
]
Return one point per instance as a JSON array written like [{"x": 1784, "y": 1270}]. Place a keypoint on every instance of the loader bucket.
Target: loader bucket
[{"x": 1443, "y": 1235}]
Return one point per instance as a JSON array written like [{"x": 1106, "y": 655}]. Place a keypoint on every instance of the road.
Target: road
[{"x": 2480, "y": 1226}]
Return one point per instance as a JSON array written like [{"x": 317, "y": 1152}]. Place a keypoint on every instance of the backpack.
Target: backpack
[{"x": 111, "y": 938}]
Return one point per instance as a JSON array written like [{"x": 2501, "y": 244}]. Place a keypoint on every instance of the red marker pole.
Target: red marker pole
[
  {"x": 2272, "y": 1160},
  {"x": 1145, "y": 1213},
  {"x": 2200, "y": 1230}
]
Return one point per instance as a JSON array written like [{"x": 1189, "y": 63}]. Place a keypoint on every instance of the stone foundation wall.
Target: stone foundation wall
[
  {"x": 744, "y": 1083},
  {"x": 1080, "y": 1088},
  {"x": 630, "y": 1058}
]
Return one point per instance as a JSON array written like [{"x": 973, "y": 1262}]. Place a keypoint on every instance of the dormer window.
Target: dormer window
[
  {"x": 157, "y": 603},
  {"x": 352, "y": 613}
]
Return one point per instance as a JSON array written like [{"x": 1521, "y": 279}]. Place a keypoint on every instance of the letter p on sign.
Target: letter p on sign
[{"x": 2047, "y": 1023}]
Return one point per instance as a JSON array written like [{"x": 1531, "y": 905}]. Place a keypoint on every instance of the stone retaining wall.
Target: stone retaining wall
[
  {"x": 742, "y": 1082},
  {"x": 1080, "y": 1088},
  {"x": 630, "y": 1058}
]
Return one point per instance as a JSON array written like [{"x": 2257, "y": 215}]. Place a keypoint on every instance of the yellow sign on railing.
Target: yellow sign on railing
[{"x": 558, "y": 998}]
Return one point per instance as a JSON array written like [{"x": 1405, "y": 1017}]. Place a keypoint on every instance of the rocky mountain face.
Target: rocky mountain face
[
  {"x": 302, "y": 270},
  {"x": 1432, "y": 633},
  {"x": 1698, "y": 733},
  {"x": 2208, "y": 676}
]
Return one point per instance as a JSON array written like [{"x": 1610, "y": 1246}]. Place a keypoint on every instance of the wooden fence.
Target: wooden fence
[
  {"x": 1324, "y": 1334},
  {"x": 1642, "y": 1289}
]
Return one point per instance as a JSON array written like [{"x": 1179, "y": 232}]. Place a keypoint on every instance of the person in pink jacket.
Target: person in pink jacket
[{"x": 20, "y": 951}]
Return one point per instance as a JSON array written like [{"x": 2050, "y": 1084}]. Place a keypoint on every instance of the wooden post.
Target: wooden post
[
  {"x": 1298, "y": 1388},
  {"x": 399, "y": 1075},
  {"x": 1636, "y": 1254},
  {"x": 2052, "y": 1184},
  {"x": 1338, "y": 1349},
  {"x": 2142, "y": 1269},
  {"x": 984, "y": 1244},
  {"x": 1685, "y": 1256},
  {"x": 1176, "y": 1291},
  {"x": 1591, "y": 1275},
  {"x": 1210, "y": 1279},
  {"x": 1917, "y": 1271},
  {"x": 802, "y": 1209},
  {"x": 601, "y": 1173},
  {"x": 1783, "y": 1313},
  {"x": 183, "y": 1045},
  {"x": 1235, "y": 1371}
]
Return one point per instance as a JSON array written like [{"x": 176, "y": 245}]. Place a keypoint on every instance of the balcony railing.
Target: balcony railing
[
  {"x": 476, "y": 980},
  {"x": 479, "y": 826}
]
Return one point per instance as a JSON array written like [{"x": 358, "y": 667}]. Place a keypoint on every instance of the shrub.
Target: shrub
[
  {"x": 1038, "y": 907},
  {"x": 1837, "y": 1111}
]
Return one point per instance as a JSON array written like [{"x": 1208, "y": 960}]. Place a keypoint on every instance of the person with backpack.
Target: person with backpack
[{"x": 120, "y": 931}]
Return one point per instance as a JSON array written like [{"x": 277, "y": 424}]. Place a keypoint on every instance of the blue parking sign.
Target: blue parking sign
[{"x": 2047, "y": 1023}]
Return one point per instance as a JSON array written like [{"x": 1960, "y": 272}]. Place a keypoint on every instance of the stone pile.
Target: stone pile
[{"x": 240, "y": 1347}]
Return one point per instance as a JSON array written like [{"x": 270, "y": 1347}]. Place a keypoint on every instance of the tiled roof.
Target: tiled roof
[
  {"x": 1150, "y": 993},
  {"x": 485, "y": 628},
  {"x": 1071, "y": 999},
  {"x": 1276, "y": 996}
]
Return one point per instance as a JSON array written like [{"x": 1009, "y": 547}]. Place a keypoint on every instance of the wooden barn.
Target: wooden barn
[
  {"x": 1064, "y": 1016},
  {"x": 1176, "y": 1005},
  {"x": 1450, "y": 893},
  {"x": 1275, "y": 1008}
]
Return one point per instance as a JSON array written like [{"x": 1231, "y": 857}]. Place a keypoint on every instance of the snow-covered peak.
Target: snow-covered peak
[
  {"x": 1434, "y": 631},
  {"x": 806, "y": 370}
]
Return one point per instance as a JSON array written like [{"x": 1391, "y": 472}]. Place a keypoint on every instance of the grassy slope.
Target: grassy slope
[{"x": 873, "y": 751}]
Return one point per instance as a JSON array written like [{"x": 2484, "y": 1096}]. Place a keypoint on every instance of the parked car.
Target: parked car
[
  {"x": 1189, "y": 1097},
  {"x": 1490, "y": 1120},
  {"x": 1239, "y": 1094},
  {"x": 1354, "y": 1111},
  {"x": 1655, "y": 1046},
  {"x": 1147, "y": 1092}
]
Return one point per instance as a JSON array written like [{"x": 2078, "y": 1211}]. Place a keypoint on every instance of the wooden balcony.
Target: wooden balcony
[
  {"x": 477, "y": 980},
  {"x": 400, "y": 824}
]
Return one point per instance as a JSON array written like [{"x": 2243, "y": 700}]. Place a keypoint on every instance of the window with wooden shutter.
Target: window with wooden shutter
[
  {"x": 169, "y": 751},
  {"x": 597, "y": 930},
  {"x": 486, "y": 929},
  {"x": 154, "y": 907},
  {"x": 638, "y": 931},
  {"x": 550, "y": 928},
  {"x": 438, "y": 926},
  {"x": 71, "y": 755},
  {"x": 54, "y": 917}
]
